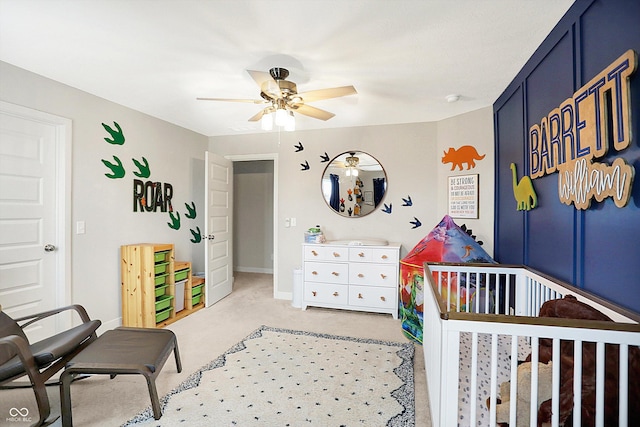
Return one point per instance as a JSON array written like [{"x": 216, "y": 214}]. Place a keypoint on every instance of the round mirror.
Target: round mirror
[{"x": 354, "y": 184}]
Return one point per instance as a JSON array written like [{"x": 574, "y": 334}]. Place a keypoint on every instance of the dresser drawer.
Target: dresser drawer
[
  {"x": 378, "y": 255},
  {"x": 325, "y": 293},
  {"x": 326, "y": 272},
  {"x": 373, "y": 274},
  {"x": 325, "y": 253},
  {"x": 366, "y": 296}
]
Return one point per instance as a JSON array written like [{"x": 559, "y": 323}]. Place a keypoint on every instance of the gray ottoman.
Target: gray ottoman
[{"x": 122, "y": 351}]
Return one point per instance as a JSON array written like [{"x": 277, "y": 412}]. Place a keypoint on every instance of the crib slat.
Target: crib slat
[
  {"x": 624, "y": 386},
  {"x": 577, "y": 382},
  {"x": 600, "y": 384},
  {"x": 513, "y": 381},
  {"x": 449, "y": 275},
  {"x": 533, "y": 417},
  {"x": 555, "y": 394},
  {"x": 473, "y": 393},
  {"x": 494, "y": 378},
  {"x": 487, "y": 299}
]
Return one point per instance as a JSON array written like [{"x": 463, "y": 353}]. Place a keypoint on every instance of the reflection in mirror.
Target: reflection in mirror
[{"x": 354, "y": 184}]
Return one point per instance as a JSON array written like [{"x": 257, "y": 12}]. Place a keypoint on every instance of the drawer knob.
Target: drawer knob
[
  {"x": 315, "y": 273},
  {"x": 384, "y": 257},
  {"x": 383, "y": 298},
  {"x": 314, "y": 253},
  {"x": 361, "y": 254},
  {"x": 360, "y": 275},
  {"x": 360, "y": 296},
  {"x": 335, "y": 294},
  {"x": 336, "y": 255},
  {"x": 314, "y": 293},
  {"x": 335, "y": 273},
  {"x": 384, "y": 276}
]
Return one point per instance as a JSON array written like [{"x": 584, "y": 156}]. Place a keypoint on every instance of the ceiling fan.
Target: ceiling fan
[{"x": 283, "y": 98}]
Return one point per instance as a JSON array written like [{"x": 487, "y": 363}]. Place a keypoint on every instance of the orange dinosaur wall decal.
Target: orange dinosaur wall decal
[{"x": 465, "y": 154}]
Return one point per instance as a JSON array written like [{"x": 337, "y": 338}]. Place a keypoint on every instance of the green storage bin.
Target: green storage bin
[
  {"x": 196, "y": 299},
  {"x": 163, "y": 315},
  {"x": 196, "y": 290},
  {"x": 162, "y": 279},
  {"x": 162, "y": 268},
  {"x": 161, "y": 256},
  {"x": 182, "y": 274},
  {"x": 160, "y": 290},
  {"x": 162, "y": 302}
]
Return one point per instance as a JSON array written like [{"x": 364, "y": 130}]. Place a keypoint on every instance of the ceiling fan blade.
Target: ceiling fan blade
[
  {"x": 266, "y": 83},
  {"x": 336, "y": 92},
  {"x": 257, "y": 116},
  {"x": 314, "y": 112},
  {"x": 250, "y": 101}
]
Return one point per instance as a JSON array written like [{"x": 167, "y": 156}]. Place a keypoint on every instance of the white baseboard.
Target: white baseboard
[{"x": 253, "y": 270}]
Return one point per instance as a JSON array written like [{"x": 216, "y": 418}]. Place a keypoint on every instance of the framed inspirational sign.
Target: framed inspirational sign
[{"x": 463, "y": 196}]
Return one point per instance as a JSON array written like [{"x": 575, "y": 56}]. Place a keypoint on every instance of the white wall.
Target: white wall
[
  {"x": 476, "y": 129},
  {"x": 410, "y": 153},
  {"x": 411, "y": 156},
  {"x": 175, "y": 156}
]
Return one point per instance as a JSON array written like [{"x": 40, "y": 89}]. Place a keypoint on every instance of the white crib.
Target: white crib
[{"x": 518, "y": 293}]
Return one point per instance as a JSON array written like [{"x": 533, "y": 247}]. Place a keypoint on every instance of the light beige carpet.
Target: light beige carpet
[
  {"x": 100, "y": 401},
  {"x": 343, "y": 381}
]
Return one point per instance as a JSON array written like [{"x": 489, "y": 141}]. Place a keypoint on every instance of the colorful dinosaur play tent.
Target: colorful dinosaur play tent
[{"x": 447, "y": 242}]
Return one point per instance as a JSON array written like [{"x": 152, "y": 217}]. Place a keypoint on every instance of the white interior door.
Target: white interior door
[
  {"x": 218, "y": 228},
  {"x": 33, "y": 240}
]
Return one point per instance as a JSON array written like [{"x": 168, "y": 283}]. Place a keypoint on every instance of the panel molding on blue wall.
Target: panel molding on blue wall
[{"x": 596, "y": 249}]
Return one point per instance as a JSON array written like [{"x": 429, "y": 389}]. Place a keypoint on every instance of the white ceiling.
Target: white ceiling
[{"x": 403, "y": 56}]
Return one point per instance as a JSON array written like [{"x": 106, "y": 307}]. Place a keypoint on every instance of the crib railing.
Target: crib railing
[
  {"x": 449, "y": 310},
  {"x": 513, "y": 289}
]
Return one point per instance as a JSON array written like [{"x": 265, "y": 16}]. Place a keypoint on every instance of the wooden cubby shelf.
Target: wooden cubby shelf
[{"x": 150, "y": 276}]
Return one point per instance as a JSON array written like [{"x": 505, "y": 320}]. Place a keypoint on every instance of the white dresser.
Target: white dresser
[{"x": 351, "y": 277}]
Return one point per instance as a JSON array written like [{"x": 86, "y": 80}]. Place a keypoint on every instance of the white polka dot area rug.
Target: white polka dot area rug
[{"x": 282, "y": 377}]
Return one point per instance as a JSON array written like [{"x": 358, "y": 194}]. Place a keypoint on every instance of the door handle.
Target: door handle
[
  {"x": 211, "y": 237},
  {"x": 49, "y": 248}
]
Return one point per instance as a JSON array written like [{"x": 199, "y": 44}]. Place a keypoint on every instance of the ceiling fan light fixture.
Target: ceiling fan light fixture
[
  {"x": 281, "y": 117},
  {"x": 267, "y": 121},
  {"x": 352, "y": 161},
  {"x": 290, "y": 124}
]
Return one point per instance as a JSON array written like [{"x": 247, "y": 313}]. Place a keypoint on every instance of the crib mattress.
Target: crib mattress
[{"x": 484, "y": 373}]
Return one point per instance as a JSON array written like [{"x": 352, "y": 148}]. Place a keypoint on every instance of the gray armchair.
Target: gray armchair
[{"x": 40, "y": 360}]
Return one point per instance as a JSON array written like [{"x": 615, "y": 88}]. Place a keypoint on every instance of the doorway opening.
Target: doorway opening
[{"x": 255, "y": 204}]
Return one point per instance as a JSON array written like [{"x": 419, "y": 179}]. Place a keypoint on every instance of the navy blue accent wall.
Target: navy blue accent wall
[{"x": 597, "y": 249}]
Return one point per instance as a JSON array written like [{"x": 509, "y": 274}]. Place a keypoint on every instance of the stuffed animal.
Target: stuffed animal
[
  {"x": 523, "y": 404},
  {"x": 570, "y": 308}
]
